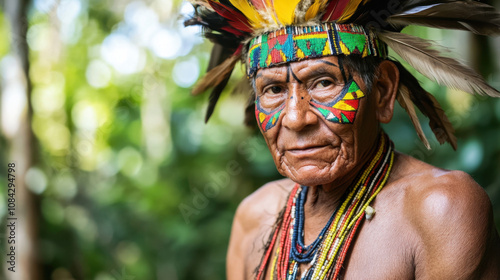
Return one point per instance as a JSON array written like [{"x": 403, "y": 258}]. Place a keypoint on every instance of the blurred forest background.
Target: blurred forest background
[{"x": 117, "y": 175}]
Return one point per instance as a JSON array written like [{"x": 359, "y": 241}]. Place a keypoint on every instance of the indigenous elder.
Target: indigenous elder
[{"x": 352, "y": 208}]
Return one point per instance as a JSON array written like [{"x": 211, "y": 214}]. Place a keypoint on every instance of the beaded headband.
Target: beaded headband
[
  {"x": 283, "y": 31},
  {"x": 296, "y": 43}
]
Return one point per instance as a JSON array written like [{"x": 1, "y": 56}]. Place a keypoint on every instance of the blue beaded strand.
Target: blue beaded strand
[{"x": 299, "y": 252}]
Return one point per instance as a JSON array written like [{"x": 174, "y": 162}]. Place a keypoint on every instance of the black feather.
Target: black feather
[
  {"x": 472, "y": 16},
  {"x": 226, "y": 40},
  {"x": 429, "y": 106},
  {"x": 214, "y": 97},
  {"x": 219, "y": 54},
  {"x": 410, "y": 4},
  {"x": 213, "y": 24}
]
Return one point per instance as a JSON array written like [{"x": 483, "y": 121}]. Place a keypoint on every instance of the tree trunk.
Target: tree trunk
[{"x": 16, "y": 126}]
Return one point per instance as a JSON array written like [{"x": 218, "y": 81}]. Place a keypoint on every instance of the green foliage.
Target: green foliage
[{"x": 137, "y": 184}]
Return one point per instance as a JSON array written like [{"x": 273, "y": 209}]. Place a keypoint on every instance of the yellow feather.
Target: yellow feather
[
  {"x": 285, "y": 10},
  {"x": 352, "y": 6},
  {"x": 314, "y": 9},
  {"x": 249, "y": 11}
]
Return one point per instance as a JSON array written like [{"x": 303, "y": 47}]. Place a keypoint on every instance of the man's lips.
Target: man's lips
[{"x": 306, "y": 151}]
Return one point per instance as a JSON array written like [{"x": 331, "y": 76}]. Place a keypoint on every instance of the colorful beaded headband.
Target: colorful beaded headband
[{"x": 295, "y": 43}]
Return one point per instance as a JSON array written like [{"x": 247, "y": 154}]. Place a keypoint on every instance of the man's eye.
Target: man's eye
[
  {"x": 324, "y": 84},
  {"x": 275, "y": 90}
]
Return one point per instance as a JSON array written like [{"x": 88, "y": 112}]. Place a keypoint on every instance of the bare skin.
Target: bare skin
[{"x": 429, "y": 223}]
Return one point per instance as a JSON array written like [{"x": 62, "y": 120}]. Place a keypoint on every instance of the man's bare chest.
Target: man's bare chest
[{"x": 382, "y": 249}]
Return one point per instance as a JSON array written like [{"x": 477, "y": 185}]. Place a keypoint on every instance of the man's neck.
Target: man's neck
[{"x": 324, "y": 199}]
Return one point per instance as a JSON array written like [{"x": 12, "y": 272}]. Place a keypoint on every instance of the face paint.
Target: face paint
[
  {"x": 265, "y": 119},
  {"x": 344, "y": 108}
]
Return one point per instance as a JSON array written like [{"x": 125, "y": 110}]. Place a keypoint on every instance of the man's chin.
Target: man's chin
[{"x": 312, "y": 176}]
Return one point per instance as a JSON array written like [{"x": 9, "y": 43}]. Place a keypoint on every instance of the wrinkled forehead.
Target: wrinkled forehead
[
  {"x": 321, "y": 65},
  {"x": 295, "y": 44}
]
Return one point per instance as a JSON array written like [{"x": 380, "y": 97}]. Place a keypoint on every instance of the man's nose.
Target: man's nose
[{"x": 298, "y": 112}]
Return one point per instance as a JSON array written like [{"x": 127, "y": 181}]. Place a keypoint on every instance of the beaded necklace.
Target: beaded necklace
[{"x": 326, "y": 254}]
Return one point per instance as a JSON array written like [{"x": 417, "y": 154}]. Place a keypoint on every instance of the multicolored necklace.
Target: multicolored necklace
[{"x": 326, "y": 254}]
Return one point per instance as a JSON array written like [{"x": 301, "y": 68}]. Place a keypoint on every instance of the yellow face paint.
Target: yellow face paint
[{"x": 344, "y": 108}]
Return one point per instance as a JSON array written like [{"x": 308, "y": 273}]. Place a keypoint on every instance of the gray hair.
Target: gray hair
[{"x": 366, "y": 68}]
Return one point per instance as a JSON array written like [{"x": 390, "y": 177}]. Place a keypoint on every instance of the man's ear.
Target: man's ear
[{"x": 384, "y": 90}]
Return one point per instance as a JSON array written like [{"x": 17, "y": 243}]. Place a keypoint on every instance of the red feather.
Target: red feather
[
  {"x": 240, "y": 26},
  {"x": 259, "y": 4},
  {"x": 233, "y": 31},
  {"x": 235, "y": 18},
  {"x": 334, "y": 10}
]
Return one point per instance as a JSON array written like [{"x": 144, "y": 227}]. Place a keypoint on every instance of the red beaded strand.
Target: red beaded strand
[{"x": 342, "y": 231}]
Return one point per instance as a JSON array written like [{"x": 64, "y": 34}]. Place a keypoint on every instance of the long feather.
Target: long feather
[
  {"x": 334, "y": 10},
  {"x": 428, "y": 105},
  {"x": 266, "y": 11},
  {"x": 315, "y": 8},
  {"x": 218, "y": 55},
  {"x": 235, "y": 18},
  {"x": 301, "y": 11},
  {"x": 444, "y": 70},
  {"x": 249, "y": 11},
  {"x": 234, "y": 30},
  {"x": 215, "y": 76},
  {"x": 229, "y": 41},
  {"x": 285, "y": 11},
  {"x": 351, "y": 8},
  {"x": 410, "y": 4},
  {"x": 260, "y": 4},
  {"x": 404, "y": 100},
  {"x": 473, "y": 16},
  {"x": 214, "y": 96},
  {"x": 370, "y": 12},
  {"x": 439, "y": 122}
]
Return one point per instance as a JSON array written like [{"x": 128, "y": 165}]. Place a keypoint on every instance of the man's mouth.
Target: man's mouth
[{"x": 307, "y": 151}]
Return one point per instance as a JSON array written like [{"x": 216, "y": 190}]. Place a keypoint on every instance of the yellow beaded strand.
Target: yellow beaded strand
[
  {"x": 321, "y": 268},
  {"x": 357, "y": 201},
  {"x": 273, "y": 266},
  {"x": 344, "y": 233}
]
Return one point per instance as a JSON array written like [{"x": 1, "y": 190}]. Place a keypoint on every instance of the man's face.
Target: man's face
[{"x": 317, "y": 120}]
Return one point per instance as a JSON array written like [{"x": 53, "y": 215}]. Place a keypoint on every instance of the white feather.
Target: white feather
[{"x": 428, "y": 61}]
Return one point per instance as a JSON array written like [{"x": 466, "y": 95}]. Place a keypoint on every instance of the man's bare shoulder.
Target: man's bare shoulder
[
  {"x": 437, "y": 193},
  {"x": 252, "y": 224},
  {"x": 264, "y": 204},
  {"x": 452, "y": 218}
]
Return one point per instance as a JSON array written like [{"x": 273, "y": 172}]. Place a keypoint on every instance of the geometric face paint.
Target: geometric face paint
[
  {"x": 267, "y": 120},
  {"x": 344, "y": 108}
]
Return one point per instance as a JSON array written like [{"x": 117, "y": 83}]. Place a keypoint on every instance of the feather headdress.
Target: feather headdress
[{"x": 265, "y": 33}]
